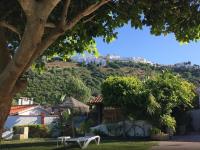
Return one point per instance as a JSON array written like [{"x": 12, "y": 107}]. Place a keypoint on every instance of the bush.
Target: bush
[
  {"x": 35, "y": 131},
  {"x": 169, "y": 122},
  {"x": 85, "y": 126},
  {"x": 155, "y": 131},
  {"x": 113, "y": 65}
]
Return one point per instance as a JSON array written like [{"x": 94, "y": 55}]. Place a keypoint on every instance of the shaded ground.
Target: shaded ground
[{"x": 190, "y": 142}]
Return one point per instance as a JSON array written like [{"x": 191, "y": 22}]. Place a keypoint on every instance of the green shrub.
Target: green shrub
[
  {"x": 35, "y": 131},
  {"x": 85, "y": 126},
  {"x": 168, "y": 121},
  {"x": 155, "y": 131},
  {"x": 113, "y": 65}
]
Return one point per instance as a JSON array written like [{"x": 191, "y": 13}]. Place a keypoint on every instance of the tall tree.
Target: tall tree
[{"x": 29, "y": 27}]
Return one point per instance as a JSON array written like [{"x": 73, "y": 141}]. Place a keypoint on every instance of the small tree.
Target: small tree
[
  {"x": 169, "y": 91},
  {"x": 125, "y": 93}
]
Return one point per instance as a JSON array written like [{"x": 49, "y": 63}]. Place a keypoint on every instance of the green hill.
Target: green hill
[{"x": 61, "y": 77}]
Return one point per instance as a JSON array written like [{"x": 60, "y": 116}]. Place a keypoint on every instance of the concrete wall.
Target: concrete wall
[
  {"x": 132, "y": 129},
  {"x": 28, "y": 120}
]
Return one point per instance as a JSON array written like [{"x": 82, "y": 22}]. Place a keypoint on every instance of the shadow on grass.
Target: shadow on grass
[{"x": 27, "y": 144}]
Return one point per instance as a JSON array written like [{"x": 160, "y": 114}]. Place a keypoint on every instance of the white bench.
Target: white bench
[{"x": 83, "y": 142}]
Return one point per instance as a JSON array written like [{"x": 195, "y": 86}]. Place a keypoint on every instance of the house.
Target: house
[
  {"x": 28, "y": 110},
  {"x": 28, "y": 113}
]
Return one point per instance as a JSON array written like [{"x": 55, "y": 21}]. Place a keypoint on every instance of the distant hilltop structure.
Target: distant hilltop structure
[
  {"x": 102, "y": 60},
  {"x": 183, "y": 64},
  {"x": 186, "y": 64}
]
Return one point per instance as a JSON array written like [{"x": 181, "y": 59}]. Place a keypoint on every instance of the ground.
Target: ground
[
  {"x": 172, "y": 145},
  {"x": 50, "y": 145},
  {"x": 190, "y": 142}
]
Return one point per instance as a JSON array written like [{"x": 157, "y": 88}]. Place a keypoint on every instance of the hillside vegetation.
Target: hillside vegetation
[{"x": 81, "y": 81}]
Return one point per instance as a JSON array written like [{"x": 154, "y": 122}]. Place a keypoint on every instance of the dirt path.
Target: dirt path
[
  {"x": 180, "y": 143},
  {"x": 172, "y": 145}
]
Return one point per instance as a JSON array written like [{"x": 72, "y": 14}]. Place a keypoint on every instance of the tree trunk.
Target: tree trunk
[{"x": 5, "y": 104}]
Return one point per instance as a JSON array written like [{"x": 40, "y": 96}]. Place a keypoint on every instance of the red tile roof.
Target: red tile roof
[
  {"x": 96, "y": 100},
  {"x": 18, "y": 108}
]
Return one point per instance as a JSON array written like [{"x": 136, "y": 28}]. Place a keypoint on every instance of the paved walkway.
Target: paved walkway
[{"x": 180, "y": 143}]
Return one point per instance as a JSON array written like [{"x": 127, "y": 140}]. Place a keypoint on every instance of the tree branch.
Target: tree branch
[
  {"x": 65, "y": 12},
  {"x": 89, "y": 19},
  {"x": 85, "y": 13},
  {"x": 41, "y": 8},
  {"x": 10, "y": 27},
  {"x": 50, "y": 25},
  {"x": 57, "y": 32}
]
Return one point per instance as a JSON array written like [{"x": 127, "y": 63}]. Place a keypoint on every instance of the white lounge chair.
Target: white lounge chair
[
  {"x": 83, "y": 142},
  {"x": 62, "y": 139}
]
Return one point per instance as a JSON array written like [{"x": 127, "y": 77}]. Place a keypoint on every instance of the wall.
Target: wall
[
  {"x": 195, "y": 115},
  {"x": 131, "y": 129},
  {"x": 31, "y": 120}
]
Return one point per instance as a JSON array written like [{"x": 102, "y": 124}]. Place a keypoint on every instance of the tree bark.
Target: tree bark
[
  {"x": 5, "y": 104},
  {"x": 5, "y": 56}
]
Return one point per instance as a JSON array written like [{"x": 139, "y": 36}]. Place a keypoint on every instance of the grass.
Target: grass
[{"x": 43, "y": 144}]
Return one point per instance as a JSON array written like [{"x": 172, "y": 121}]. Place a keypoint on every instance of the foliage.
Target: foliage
[
  {"x": 169, "y": 91},
  {"x": 123, "y": 92},
  {"x": 85, "y": 126},
  {"x": 155, "y": 131},
  {"x": 171, "y": 18},
  {"x": 168, "y": 121},
  {"x": 35, "y": 131},
  {"x": 93, "y": 76},
  {"x": 50, "y": 86},
  {"x": 153, "y": 99},
  {"x": 113, "y": 65}
]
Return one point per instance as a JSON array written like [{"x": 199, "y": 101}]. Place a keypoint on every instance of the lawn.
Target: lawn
[{"x": 50, "y": 145}]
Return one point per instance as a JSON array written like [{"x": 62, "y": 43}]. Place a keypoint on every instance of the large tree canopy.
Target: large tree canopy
[{"x": 29, "y": 27}]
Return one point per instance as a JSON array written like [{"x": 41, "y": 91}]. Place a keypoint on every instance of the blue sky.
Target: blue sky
[{"x": 158, "y": 49}]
